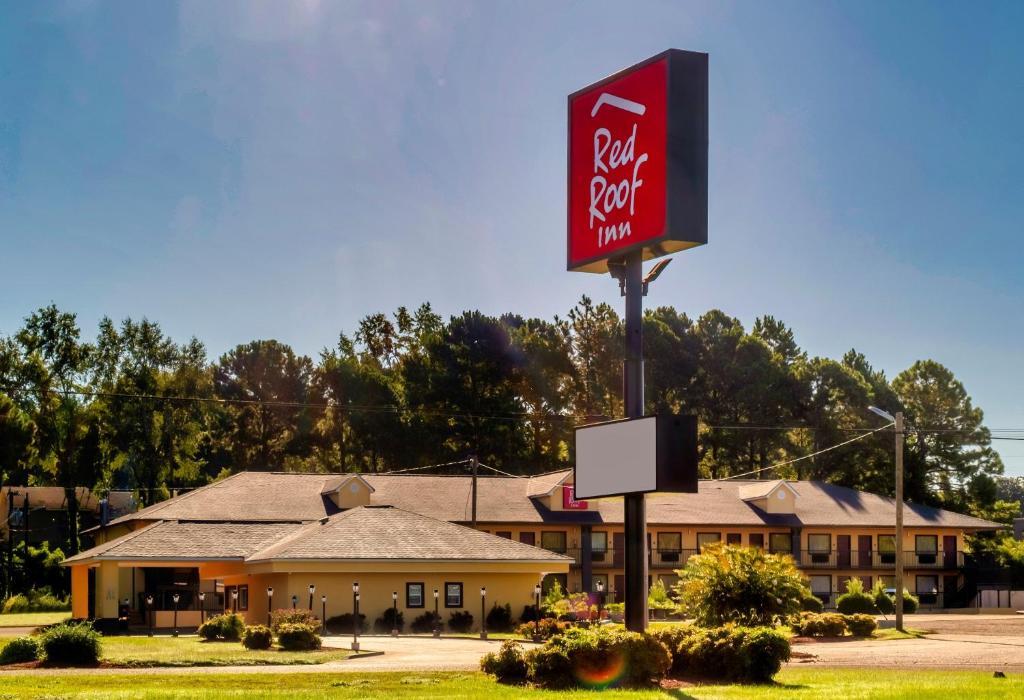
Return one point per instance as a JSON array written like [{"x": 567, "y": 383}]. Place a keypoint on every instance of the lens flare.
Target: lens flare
[{"x": 603, "y": 676}]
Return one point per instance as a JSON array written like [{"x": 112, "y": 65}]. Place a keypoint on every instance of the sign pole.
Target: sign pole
[{"x": 634, "y": 507}]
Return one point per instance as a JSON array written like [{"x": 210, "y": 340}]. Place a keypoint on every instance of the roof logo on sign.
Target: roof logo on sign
[{"x": 620, "y": 102}]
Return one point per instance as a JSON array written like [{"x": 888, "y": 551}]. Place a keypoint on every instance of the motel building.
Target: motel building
[{"x": 402, "y": 537}]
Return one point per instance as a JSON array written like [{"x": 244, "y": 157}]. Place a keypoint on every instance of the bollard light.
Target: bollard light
[
  {"x": 175, "y": 598},
  {"x": 355, "y": 616},
  {"x": 437, "y": 617},
  {"x": 312, "y": 590},
  {"x": 483, "y": 612},
  {"x": 536, "y": 613},
  {"x": 202, "y": 608},
  {"x": 270, "y": 602},
  {"x": 295, "y": 601},
  {"x": 149, "y": 607},
  {"x": 323, "y": 613},
  {"x": 394, "y": 613},
  {"x": 234, "y": 600}
]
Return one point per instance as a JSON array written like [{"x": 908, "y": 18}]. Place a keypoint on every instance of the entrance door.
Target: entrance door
[
  {"x": 843, "y": 551},
  {"x": 619, "y": 543},
  {"x": 863, "y": 551},
  {"x": 620, "y": 588},
  {"x": 949, "y": 556}
]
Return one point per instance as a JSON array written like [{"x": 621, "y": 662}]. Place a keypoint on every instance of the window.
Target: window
[
  {"x": 706, "y": 538},
  {"x": 529, "y": 538},
  {"x": 734, "y": 538},
  {"x": 414, "y": 595},
  {"x": 669, "y": 545},
  {"x": 598, "y": 545},
  {"x": 927, "y": 548},
  {"x": 603, "y": 578},
  {"x": 243, "y": 597},
  {"x": 887, "y": 549},
  {"x": 927, "y": 589},
  {"x": 821, "y": 586},
  {"x": 453, "y": 595},
  {"x": 780, "y": 542},
  {"x": 819, "y": 547},
  {"x": 230, "y": 604},
  {"x": 756, "y": 539},
  {"x": 553, "y": 541},
  {"x": 504, "y": 533}
]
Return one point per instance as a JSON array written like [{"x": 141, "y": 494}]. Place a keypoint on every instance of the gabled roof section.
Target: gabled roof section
[
  {"x": 383, "y": 533},
  {"x": 337, "y": 484},
  {"x": 188, "y": 541},
  {"x": 754, "y": 490},
  {"x": 546, "y": 484}
]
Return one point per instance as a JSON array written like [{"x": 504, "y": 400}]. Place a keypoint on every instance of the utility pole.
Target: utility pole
[
  {"x": 473, "y": 463},
  {"x": 9, "y": 571},
  {"x": 899, "y": 520}
]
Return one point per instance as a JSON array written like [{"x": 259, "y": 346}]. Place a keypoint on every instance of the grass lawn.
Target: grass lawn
[
  {"x": 33, "y": 619},
  {"x": 795, "y": 683},
  {"x": 148, "y": 652}
]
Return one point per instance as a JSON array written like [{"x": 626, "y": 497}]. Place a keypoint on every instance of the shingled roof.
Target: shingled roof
[{"x": 297, "y": 497}]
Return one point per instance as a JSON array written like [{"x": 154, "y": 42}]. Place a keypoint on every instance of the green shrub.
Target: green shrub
[
  {"x": 812, "y": 603},
  {"x": 294, "y": 637},
  {"x": 425, "y": 623},
  {"x": 551, "y": 598},
  {"x": 744, "y": 585},
  {"x": 860, "y": 625},
  {"x": 16, "y": 604},
  {"x": 390, "y": 620},
  {"x": 575, "y": 606},
  {"x": 530, "y": 614},
  {"x": 499, "y": 618},
  {"x": 598, "y": 657},
  {"x": 886, "y": 604},
  {"x": 508, "y": 665},
  {"x": 545, "y": 628},
  {"x": 855, "y": 600},
  {"x": 70, "y": 644},
  {"x": 460, "y": 621},
  {"x": 228, "y": 627},
  {"x": 19, "y": 650},
  {"x": 745, "y": 654},
  {"x": 342, "y": 624},
  {"x": 910, "y": 602},
  {"x": 298, "y": 616},
  {"x": 257, "y": 637},
  {"x": 822, "y": 625},
  {"x": 657, "y": 597}
]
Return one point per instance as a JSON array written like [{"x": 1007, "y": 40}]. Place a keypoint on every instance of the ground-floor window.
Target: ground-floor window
[
  {"x": 241, "y": 603},
  {"x": 414, "y": 595},
  {"x": 453, "y": 595},
  {"x": 927, "y": 589},
  {"x": 821, "y": 586}
]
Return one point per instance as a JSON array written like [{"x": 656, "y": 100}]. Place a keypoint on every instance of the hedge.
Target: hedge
[
  {"x": 295, "y": 637},
  {"x": 257, "y": 637},
  {"x": 19, "y": 650},
  {"x": 70, "y": 644}
]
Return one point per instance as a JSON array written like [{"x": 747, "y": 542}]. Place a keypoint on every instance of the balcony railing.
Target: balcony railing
[{"x": 666, "y": 559}]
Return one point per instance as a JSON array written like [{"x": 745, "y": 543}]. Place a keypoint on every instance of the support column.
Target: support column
[
  {"x": 634, "y": 506},
  {"x": 80, "y": 592},
  {"x": 107, "y": 580}
]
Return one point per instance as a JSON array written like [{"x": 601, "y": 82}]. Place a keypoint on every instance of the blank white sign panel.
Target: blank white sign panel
[{"x": 615, "y": 458}]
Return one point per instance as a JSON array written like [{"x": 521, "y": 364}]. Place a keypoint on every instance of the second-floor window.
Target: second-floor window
[
  {"x": 706, "y": 538},
  {"x": 887, "y": 549},
  {"x": 819, "y": 546},
  {"x": 598, "y": 541},
  {"x": 553, "y": 541},
  {"x": 669, "y": 545},
  {"x": 780, "y": 542},
  {"x": 927, "y": 548}
]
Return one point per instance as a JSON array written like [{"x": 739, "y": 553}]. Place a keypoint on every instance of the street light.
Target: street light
[
  {"x": 394, "y": 613},
  {"x": 323, "y": 613},
  {"x": 437, "y": 617},
  {"x": 149, "y": 609},
  {"x": 175, "y": 598},
  {"x": 897, "y": 422},
  {"x": 234, "y": 601},
  {"x": 202, "y": 608},
  {"x": 270, "y": 602},
  {"x": 536, "y": 613},
  {"x": 312, "y": 590},
  {"x": 355, "y": 616},
  {"x": 483, "y": 612},
  {"x": 600, "y": 598}
]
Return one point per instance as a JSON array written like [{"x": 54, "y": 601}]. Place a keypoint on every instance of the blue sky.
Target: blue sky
[{"x": 240, "y": 170}]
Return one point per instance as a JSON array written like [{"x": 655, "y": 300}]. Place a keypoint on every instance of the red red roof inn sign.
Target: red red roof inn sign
[{"x": 638, "y": 161}]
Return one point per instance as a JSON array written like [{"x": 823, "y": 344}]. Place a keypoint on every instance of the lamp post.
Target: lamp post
[
  {"x": 202, "y": 608},
  {"x": 483, "y": 612},
  {"x": 295, "y": 601},
  {"x": 270, "y": 602},
  {"x": 234, "y": 601},
  {"x": 355, "y": 616},
  {"x": 175, "y": 598},
  {"x": 323, "y": 613},
  {"x": 600, "y": 598},
  {"x": 149, "y": 611},
  {"x": 394, "y": 613},
  {"x": 312, "y": 590},
  {"x": 536, "y": 613},
  {"x": 437, "y": 617},
  {"x": 897, "y": 422}
]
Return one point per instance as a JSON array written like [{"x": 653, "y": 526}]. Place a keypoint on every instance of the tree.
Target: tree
[
  {"x": 745, "y": 585},
  {"x": 947, "y": 435},
  {"x": 153, "y": 419},
  {"x": 266, "y": 386},
  {"x": 17, "y": 435},
  {"x": 597, "y": 337}
]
